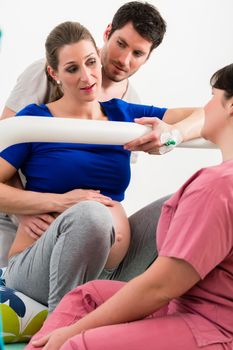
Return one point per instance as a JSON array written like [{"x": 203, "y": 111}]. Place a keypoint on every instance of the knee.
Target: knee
[
  {"x": 93, "y": 218},
  {"x": 95, "y": 213}
]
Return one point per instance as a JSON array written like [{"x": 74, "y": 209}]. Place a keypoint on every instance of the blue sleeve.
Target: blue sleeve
[
  {"x": 119, "y": 110},
  {"x": 17, "y": 154},
  {"x": 139, "y": 111}
]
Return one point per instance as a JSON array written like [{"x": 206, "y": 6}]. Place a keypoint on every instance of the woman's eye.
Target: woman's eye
[{"x": 72, "y": 69}]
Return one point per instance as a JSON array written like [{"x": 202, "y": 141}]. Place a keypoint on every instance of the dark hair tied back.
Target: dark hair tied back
[{"x": 223, "y": 80}]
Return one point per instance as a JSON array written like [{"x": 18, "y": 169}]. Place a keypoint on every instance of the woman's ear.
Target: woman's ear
[
  {"x": 107, "y": 32},
  {"x": 52, "y": 73}
]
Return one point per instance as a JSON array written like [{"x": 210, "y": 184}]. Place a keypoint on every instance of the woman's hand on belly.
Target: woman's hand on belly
[
  {"x": 122, "y": 236},
  {"x": 70, "y": 198},
  {"x": 31, "y": 228},
  {"x": 35, "y": 225}
]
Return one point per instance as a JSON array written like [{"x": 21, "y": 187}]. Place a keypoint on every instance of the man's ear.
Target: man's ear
[
  {"x": 52, "y": 73},
  {"x": 107, "y": 32}
]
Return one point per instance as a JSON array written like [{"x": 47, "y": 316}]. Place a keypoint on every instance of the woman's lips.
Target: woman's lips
[{"x": 88, "y": 88}]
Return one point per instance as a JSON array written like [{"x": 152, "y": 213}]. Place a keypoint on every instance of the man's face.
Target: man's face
[{"x": 124, "y": 53}]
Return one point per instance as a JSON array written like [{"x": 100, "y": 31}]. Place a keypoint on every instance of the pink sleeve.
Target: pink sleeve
[{"x": 200, "y": 232}]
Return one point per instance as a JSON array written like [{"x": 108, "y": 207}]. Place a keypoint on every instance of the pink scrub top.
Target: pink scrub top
[{"x": 196, "y": 225}]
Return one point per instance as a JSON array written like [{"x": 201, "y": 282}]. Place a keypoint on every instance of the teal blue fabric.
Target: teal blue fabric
[{"x": 16, "y": 346}]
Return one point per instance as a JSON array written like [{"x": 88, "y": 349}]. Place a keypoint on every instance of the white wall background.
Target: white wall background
[{"x": 197, "y": 43}]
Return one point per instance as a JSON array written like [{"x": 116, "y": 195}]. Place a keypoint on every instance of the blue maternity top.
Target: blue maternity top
[{"x": 61, "y": 167}]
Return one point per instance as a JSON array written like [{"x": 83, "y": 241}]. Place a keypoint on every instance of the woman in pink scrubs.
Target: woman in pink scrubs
[{"x": 184, "y": 301}]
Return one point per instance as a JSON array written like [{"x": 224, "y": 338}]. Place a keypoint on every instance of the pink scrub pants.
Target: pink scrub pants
[{"x": 157, "y": 332}]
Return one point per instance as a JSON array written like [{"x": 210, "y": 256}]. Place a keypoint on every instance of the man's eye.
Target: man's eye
[
  {"x": 120, "y": 44},
  {"x": 138, "y": 53},
  {"x": 91, "y": 62}
]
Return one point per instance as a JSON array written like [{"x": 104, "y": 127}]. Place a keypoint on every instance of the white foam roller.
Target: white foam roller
[{"x": 42, "y": 129}]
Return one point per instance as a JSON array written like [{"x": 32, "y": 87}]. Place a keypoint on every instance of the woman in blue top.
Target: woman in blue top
[{"x": 72, "y": 182}]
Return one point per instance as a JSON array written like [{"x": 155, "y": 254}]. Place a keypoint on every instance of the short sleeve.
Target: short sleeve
[
  {"x": 139, "y": 111},
  {"x": 200, "y": 232},
  {"x": 16, "y": 155}
]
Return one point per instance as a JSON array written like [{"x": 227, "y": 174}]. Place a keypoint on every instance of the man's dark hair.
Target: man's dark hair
[
  {"x": 223, "y": 80},
  {"x": 145, "y": 19}
]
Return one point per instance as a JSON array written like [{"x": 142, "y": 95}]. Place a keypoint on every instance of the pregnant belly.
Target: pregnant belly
[{"x": 122, "y": 236}]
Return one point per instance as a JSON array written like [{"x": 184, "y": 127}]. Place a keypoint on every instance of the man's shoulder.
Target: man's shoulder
[
  {"x": 36, "y": 67},
  {"x": 38, "y": 63},
  {"x": 131, "y": 95},
  {"x": 31, "y": 86}
]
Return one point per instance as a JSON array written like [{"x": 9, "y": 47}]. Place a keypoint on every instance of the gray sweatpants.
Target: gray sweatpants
[
  {"x": 72, "y": 251},
  {"x": 75, "y": 248},
  {"x": 8, "y": 230}
]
